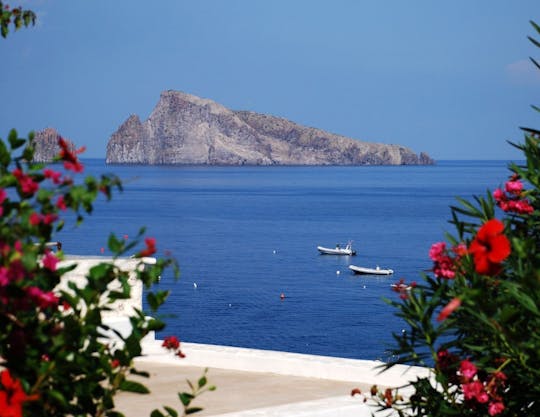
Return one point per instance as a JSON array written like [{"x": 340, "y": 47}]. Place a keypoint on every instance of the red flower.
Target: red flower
[
  {"x": 445, "y": 262},
  {"x": 69, "y": 156},
  {"x": 34, "y": 219},
  {"x": 53, "y": 175},
  {"x": 171, "y": 343},
  {"x": 50, "y": 261},
  {"x": 495, "y": 408},
  {"x": 61, "y": 203},
  {"x": 41, "y": 298},
  {"x": 475, "y": 390},
  {"x": 490, "y": 247},
  {"x": 449, "y": 309},
  {"x": 467, "y": 369},
  {"x": 27, "y": 184},
  {"x": 514, "y": 187},
  {"x": 12, "y": 396},
  {"x": 150, "y": 247}
]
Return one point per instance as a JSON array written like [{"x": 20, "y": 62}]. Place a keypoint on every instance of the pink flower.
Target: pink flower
[
  {"x": 523, "y": 207},
  {"x": 50, "y": 261},
  {"x": 16, "y": 271},
  {"x": 495, "y": 407},
  {"x": 41, "y": 298},
  {"x": 60, "y": 203},
  {"x": 446, "y": 360},
  {"x": 473, "y": 390},
  {"x": 499, "y": 195},
  {"x": 444, "y": 268},
  {"x": 34, "y": 219},
  {"x": 50, "y": 218},
  {"x": 3, "y": 196},
  {"x": 4, "y": 277},
  {"x": 449, "y": 309},
  {"x": 55, "y": 176},
  {"x": 436, "y": 251},
  {"x": 445, "y": 262},
  {"x": 514, "y": 187},
  {"x": 27, "y": 184},
  {"x": 468, "y": 369}
]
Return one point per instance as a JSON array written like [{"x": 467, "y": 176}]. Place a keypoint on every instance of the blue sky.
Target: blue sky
[{"x": 449, "y": 78}]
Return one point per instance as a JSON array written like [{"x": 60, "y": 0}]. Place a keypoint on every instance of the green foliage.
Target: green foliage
[
  {"x": 474, "y": 320},
  {"x": 55, "y": 356},
  {"x": 16, "y": 17},
  {"x": 51, "y": 335}
]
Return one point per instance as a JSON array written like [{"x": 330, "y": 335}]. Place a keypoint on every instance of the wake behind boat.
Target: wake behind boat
[
  {"x": 370, "y": 271},
  {"x": 338, "y": 250}
]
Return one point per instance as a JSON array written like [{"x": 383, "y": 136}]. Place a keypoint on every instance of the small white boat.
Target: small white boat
[
  {"x": 338, "y": 250},
  {"x": 370, "y": 271}
]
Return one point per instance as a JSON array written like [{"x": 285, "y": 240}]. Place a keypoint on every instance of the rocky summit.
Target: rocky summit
[
  {"x": 185, "y": 129},
  {"x": 46, "y": 146}
]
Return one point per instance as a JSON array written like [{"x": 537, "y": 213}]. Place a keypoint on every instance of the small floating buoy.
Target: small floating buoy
[
  {"x": 282, "y": 296},
  {"x": 230, "y": 305},
  {"x": 274, "y": 251},
  {"x": 364, "y": 287},
  {"x": 338, "y": 272},
  {"x": 195, "y": 285}
]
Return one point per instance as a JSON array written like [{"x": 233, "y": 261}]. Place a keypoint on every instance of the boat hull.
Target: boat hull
[
  {"x": 336, "y": 251},
  {"x": 370, "y": 271}
]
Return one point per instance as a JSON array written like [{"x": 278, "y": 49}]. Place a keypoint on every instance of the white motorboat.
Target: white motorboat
[
  {"x": 370, "y": 271},
  {"x": 338, "y": 250}
]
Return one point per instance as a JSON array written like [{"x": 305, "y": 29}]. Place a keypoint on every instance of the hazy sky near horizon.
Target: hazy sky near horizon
[{"x": 449, "y": 78}]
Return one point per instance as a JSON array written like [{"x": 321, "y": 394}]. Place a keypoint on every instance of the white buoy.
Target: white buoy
[
  {"x": 195, "y": 285},
  {"x": 274, "y": 251},
  {"x": 338, "y": 272},
  {"x": 364, "y": 287}
]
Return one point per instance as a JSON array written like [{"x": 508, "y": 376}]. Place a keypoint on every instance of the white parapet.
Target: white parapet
[
  {"x": 83, "y": 266},
  {"x": 286, "y": 363}
]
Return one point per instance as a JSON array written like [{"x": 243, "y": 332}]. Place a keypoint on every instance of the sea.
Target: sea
[{"x": 244, "y": 236}]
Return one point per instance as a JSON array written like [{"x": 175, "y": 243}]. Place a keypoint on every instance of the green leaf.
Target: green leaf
[
  {"x": 133, "y": 386},
  {"x": 202, "y": 381},
  {"x": 5, "y": 157},
  {"x": 139, "y": 373},
  {"x": 157, "y": 413},
  {"x": 193, "y": 410},
  {"x": 172, "y": 412},
  {"x": 534, "y": 41},
  {"x": 14, "y": 141},
  {"x": 114, "y": 244},
  {"x": 185, "y": 398}
]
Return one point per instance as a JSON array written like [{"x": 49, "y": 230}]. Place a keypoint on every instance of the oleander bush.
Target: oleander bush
[
  {"x": 474, "y": 319},
  {"x": 57, "y": 356}
]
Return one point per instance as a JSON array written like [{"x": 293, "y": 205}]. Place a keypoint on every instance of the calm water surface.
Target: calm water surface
[{"x": 244, "y": 235}]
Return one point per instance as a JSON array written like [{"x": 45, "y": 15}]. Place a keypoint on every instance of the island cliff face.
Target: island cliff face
[
  {"x": 185, "y": 129},
  {"x": 46, "y": 145}
]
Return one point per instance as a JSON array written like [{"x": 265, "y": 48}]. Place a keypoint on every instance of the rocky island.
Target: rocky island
[
  {"x": 186, "y": 129},
  {"x": 46, "y": 145}
]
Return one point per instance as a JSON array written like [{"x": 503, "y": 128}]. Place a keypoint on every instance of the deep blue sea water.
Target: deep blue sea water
[{"x": 244, "y": 235}]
